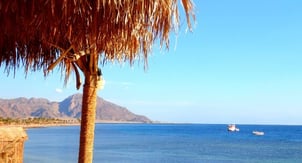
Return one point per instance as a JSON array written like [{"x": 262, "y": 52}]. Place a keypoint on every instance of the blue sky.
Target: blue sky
[{"x": 241, "y": 64}]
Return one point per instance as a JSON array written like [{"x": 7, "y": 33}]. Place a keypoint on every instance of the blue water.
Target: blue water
[{"x": 157, "y": 143}]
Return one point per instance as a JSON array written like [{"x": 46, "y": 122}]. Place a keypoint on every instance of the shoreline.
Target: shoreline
[
  {"x": 41, "y": 125},
  {"x": 69, "y": 124}
]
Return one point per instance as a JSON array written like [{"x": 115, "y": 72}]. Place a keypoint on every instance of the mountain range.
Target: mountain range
[{"x": 68, "y": 108}]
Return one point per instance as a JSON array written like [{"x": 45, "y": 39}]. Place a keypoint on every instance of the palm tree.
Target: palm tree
[{"x": 78, "y": 35}]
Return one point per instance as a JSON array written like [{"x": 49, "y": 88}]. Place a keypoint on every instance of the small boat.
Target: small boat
[
  {"x": 232, "y": 128},
  {"x": 258, "y": 133}
]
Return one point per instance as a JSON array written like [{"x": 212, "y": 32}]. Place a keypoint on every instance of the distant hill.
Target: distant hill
[{"x": 68, "y": 108}]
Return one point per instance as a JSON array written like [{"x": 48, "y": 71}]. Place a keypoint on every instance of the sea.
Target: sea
[{"x": 168, "y": 143}]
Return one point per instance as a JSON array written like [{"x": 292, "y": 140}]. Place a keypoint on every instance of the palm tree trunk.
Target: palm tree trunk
[{"x": 88, "y": 119}]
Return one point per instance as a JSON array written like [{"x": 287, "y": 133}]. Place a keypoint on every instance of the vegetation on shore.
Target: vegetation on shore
[{"x": 37, "y": 121}]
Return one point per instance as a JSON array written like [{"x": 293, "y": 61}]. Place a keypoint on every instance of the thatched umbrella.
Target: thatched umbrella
[{"x": 78, "y": 35}]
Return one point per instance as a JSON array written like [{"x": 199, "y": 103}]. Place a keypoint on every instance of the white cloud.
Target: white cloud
[{"x": 58, "y": 90}]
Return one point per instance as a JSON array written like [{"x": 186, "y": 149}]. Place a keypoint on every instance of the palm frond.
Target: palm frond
[{"x": 33, "y": 33}]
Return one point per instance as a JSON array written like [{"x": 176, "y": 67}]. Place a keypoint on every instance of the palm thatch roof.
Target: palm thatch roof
[
  {"x": 11, "y": 134},
  {"x": 35, "y": 34}
]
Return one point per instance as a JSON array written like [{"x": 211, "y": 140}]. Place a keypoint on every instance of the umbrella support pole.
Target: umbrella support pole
[{"x": 88, "y": 119}]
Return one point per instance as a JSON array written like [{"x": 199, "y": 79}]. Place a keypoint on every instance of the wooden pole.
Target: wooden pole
[{"x": 88, "y": 119}]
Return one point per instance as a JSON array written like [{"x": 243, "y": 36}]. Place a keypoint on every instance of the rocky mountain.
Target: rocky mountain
[{"x": 68, "y": 108}]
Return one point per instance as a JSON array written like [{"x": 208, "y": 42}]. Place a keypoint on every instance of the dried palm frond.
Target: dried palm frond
[{"x": 35, "y": 34}]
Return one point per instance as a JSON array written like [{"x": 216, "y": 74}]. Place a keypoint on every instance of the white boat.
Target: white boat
[
  {"x": 232, "y": 128},
  {"x": 258, "y": 133}
]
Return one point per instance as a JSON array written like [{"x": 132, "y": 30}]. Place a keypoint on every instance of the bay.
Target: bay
[{"x": 179, "y": 143}]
